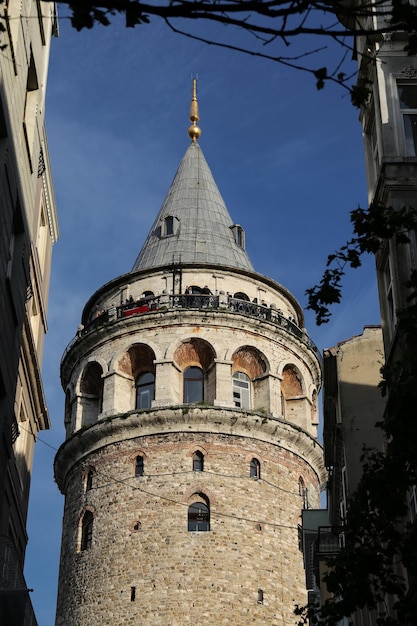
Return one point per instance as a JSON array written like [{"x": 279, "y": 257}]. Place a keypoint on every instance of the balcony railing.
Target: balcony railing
[
  {"x": 330, "y": 540},
  {"x": 196, "y": 301},
  {"x": 15, "y": 604}
]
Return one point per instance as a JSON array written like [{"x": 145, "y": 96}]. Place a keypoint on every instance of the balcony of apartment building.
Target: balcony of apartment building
[
  {"x": 15, "y": 604},
  {"x": 318, "y": 541}
]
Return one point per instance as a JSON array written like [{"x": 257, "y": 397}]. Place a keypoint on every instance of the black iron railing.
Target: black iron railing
[
  {"x": 330, "y": 540},
  {"x": 224, "y": 302},
  {"x": 15, "y": 604}
]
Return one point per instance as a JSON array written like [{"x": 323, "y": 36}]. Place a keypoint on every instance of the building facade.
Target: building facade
[
  {"x": 352, "y": 405},
  {"x": 389, "y": 126},
  {"x": 191, "y": 419},
  {"x": 352, "y": 402},
  {"x": 28, "y": 230}
]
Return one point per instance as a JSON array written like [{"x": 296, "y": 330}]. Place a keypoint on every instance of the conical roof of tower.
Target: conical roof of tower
[{"x": 193, "y": 224}]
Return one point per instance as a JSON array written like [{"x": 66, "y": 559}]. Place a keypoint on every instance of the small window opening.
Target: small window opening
[
  {"x": 87, "y": 531},
  {"x": 255, "y": 469},
  {"x": 132, "y": 594},
  {"x": 169, "y": 225},
  {"x": 260, "y": 596},
  {"x": 198, "y": 517},
  {"x": 139, "y": 466},
  {"x": 89, "y": 481},
  {"x": 239, "y": 235},
  {"x": 198, "y": 461},
  {"x": 239, "y": 295}
]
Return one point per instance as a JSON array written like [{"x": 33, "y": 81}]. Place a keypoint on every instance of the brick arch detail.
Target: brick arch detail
[
  {"x": 253, "y": 455},
  {"x": 194, "y": 351},
  {"x": 131, "y": 458},
  {"x": 134, "y": 360},
  {"x": 87, "y": 364},
  {"x": 84, "y": 510},
  {"x": 251, "y": 361},
  {"x": 194, "y": 448},
  {"x": 293, "y": 383},
  {"x": 196, "y": 490}
]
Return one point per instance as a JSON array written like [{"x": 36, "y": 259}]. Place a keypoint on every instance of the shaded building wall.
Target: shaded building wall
[{"x": 28, "y": 226}]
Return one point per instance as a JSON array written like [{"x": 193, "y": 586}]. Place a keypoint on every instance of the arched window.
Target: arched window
[
  {"x": 199, "y": 517},
  {"x": 241, "y": 390},
  {"x": 255, "y": 469},
  {"x": 91, "y": 388},
  {"x": 239, "y": 295},
  {"x": 303, "y": 491},
  {"x": 89, "y": 480},
  {"x": 193, "y": 385},
  {"x": 87, "y": 531},
  {"x": 139, "y": 466},
  {"x": 145, "y": 390},
  {"x": 198, "y": 461}
]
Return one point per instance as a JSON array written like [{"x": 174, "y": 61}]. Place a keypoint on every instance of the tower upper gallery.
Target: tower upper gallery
[{"x": 192, "y": 275}]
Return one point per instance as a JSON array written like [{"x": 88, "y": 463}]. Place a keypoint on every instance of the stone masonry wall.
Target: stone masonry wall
[{"x": 164, "y": 574}]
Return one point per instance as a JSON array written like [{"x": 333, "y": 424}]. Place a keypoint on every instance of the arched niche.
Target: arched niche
[
  {"x": 138, "y": 359},
  {"x": 198, "y": 353},
  {"x": 91, "y": 393},
  {"x": 136, "y": 366},
  {"x": 251, "y": 362},
  {"x": 296, "y": 407},
  {"x": 69, "y": 397}
]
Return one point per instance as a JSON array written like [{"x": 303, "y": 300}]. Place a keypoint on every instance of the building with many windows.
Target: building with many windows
[
  {"x": 389, "y": 126},
  {"x": 191, "y": 419},
  {"x": 28, "y": 226}
]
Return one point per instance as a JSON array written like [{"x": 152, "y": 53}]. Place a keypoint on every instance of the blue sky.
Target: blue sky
[{"x": 287, "y": 159}]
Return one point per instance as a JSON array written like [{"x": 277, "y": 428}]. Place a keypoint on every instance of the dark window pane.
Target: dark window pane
[
  {"x": 145, "y": 390},
  {"x": 198, "y": 461},
  {"x": 408, "y": 96},
  {"x": 169, "y": 225},
  {"x": 89, "y": 483},
  {"x": 139, "y": 467},
  {"x": 255, "y": 469},
  {"x": 410, "y": 131},
  {"x": 198, "y": 517},
  {"x": 193, "y": 385},
  {"x": 87, "y": 531}
]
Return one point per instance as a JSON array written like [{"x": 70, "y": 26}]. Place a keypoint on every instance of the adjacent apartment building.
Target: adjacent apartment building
[
  {"x": 389, "y": 126},
  {"x": 28, "y": 227}
]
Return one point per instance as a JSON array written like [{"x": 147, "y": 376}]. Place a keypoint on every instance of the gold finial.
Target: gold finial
[{"x": 194, "y": 131}]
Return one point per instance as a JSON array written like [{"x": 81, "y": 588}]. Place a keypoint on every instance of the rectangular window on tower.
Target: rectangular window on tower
[{"x": 407, "y": 94}]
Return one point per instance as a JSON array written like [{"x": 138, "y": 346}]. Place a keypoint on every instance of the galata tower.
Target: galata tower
[{"x": 191, "y": 430}]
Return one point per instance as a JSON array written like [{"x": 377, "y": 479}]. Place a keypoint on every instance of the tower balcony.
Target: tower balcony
[{"x": 205, "y": 302}]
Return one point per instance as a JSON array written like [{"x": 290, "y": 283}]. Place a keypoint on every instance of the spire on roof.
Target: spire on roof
[
  {"x": 193, "y": 225},
  {"x": 194, "y": 132}
]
